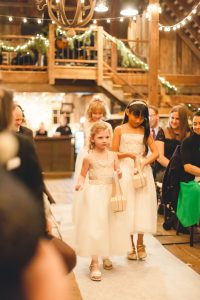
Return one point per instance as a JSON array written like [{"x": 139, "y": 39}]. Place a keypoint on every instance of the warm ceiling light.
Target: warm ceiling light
[
  {"x": 129, "y": 12},
  {"x": 101, "y": 6}
]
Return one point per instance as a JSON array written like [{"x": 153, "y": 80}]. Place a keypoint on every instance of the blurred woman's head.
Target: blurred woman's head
[
  {"x": 96, "y": 110},
  {"x": 6, "y": 109},
  {"x": 178, "y": 122}
]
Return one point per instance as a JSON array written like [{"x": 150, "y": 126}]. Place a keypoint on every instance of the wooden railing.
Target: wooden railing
[{"x": 12, "y": 58}]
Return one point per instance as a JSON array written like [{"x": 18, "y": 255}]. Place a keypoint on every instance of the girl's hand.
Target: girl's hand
[
  {"x": 78, "y": 187},
  {"x": 135, "y": 171},
  {"x": 119, "y": 173},
  {"x": 132, "y": 155},
  {"x": 143, "y": 164}
]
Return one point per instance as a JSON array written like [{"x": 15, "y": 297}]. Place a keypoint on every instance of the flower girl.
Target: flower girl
[{"x": 94, "y": 220}]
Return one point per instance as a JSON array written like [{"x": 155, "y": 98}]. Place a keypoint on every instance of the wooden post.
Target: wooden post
[
  {"x": 100, "y": 56},
  {"x": 153, "y": 56},
  {"x": 51, "y": 58},
  {"x": 114, "y": 57}
]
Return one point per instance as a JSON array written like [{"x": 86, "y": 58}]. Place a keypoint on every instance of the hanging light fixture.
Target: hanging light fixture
[
  {"x": 66, "y": 13},
  {"x": 101, "y": 6},
  {"x": 129, "y": 12}
]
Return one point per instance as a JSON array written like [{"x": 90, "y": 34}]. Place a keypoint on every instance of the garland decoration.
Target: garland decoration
[
  {"x": 38, "y": 43},
  {"x": 131, "y": 60},
  {"x": 128, "y": 59},
  {"x": 84, "y": 38}
]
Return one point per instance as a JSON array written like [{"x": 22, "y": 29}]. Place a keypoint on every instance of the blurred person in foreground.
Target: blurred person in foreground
[
  {"x": 24, "y": 166},
  {"x": 30, "y": 267}
]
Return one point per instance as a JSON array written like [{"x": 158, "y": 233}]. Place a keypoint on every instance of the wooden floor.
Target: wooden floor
[
  {"x": 179, "y": 245},
  {"x": 63, "y": 189}
]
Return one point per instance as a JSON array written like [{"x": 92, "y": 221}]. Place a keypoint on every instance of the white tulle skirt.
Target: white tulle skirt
[
  {"x": 98, "y": 231},
  {"x": 141, "y": 210}
]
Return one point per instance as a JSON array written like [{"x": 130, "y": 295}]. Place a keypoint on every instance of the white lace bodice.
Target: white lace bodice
[
  {"x": 102, "y": 170},
  {"x": 132, "y": 142}
]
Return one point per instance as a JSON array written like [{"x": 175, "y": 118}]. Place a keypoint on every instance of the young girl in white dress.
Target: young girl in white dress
[
  {"x": 131, "y": 141},
  {"x": 93, "y": 230},
  {"x": 96, "y": 111}
]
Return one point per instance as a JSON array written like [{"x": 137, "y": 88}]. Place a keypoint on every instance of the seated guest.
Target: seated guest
[
  {"x": 188, "y": 210},
  {"x": 154, "y": 120},
  {"x": 168, "y": 138},
  {"x": 18, "y": 121},
  {"x": 64, "y": 129},
  {"x": 41, "y": 131}
]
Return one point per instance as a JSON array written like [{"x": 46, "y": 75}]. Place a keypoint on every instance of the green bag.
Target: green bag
[{"x": 188, "y": 208}]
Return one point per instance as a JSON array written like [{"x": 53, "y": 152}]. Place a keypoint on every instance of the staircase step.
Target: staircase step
[
  {"x": 128, "y": 94},
  {"x": 117, "y": 86},
  {"x": 107, "y": 77}
]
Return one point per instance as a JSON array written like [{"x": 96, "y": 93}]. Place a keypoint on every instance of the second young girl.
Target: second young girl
[
  {"x": 96, "y": 111},
  {"x": 131, "y": 141},
  {"x": 93, "y": 224}
]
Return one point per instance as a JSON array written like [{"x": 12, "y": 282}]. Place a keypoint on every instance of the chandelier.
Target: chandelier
[{"x": 68, "y": 13}]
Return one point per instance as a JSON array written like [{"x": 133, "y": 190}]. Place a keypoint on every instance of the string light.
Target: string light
[
  {"x": 120, "y": 45},
  {"x": 181, "y": 23},
  {"x": 27, "y": 45},
  {"x": 154, "y": 8}
]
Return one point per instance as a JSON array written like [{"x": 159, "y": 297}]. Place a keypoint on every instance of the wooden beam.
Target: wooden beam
[
  {"x": 185, "y": 38},
  {"x": 100, "y": 55},
  {"x": 13, "y": 4},
  {"x": 153, "y": 56}
]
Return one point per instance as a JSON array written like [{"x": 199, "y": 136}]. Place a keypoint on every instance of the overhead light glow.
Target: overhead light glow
[
  {"x": 101, "y": 7},
  {"x": 129, "y": 12}
]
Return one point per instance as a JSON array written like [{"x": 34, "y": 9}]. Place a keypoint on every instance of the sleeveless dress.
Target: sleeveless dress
[
  {"x": 84, "y": 151},
  {"x": 96, "y": 226},
  {"x": 141, "y": 210}
]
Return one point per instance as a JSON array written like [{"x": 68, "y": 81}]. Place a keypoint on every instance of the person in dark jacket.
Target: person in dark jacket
[
  {"x": 18, "y": 121},
  {"x": 64, "y": 129},
  {"x": 27, "y": 170}
]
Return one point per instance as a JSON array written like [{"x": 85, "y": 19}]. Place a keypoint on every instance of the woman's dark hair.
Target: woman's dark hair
[
  {"x": 196, "y": 114},
  {"x": 6, "y": 108},
  {"x": 139, "y": 108}
]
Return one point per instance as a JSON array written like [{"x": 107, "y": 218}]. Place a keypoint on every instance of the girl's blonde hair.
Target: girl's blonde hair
[
  {"x": 97, "y": 104},
  {"x": 95, "y": 129}
]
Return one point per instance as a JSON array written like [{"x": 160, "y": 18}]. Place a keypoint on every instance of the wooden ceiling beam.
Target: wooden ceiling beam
[{"x": 12, "y": 4}]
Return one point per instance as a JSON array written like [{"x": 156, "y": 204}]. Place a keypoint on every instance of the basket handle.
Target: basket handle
[{"x": 116, "y": 188}]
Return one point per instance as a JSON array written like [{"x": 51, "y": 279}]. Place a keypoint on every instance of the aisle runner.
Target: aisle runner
[{"x": 161, "y": 277}]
